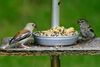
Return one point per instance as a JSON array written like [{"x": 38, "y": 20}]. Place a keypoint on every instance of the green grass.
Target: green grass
[
  {"x": 44, "y": 61},
  {"x": 14, "y": 14},
  {"x": 24, "y": 61},
  {"x": 80, "y": 61}
]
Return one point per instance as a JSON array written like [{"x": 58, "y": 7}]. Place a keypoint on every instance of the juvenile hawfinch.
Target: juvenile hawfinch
[
  {"x": 85, "y": 29},
  {"x": 22, "y": 36}
]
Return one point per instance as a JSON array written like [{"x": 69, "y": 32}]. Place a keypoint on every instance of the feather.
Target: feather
[
  {"x": 86, "y": 30},
  {"x": 20, "y": 36}
]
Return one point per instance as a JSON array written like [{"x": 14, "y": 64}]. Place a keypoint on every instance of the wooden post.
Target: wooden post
[{"x": 55, "y": 61}]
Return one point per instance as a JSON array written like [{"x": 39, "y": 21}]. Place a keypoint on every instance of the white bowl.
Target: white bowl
[{"x": 54, "y": 41}]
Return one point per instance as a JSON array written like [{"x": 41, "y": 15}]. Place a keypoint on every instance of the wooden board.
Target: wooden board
[{"x": 91, "y": 48}]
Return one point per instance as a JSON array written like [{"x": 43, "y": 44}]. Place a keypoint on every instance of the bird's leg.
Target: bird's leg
[
  {"x": 90, "y": 40},
  {"x": 23, "y": 46},
  {"x": 84, "y": 39}
]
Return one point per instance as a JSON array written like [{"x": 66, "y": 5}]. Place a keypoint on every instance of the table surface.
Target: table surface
[{"x": 87, "y": 48}]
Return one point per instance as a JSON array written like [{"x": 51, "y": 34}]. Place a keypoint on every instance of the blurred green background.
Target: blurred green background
[{"x": 14, "y": 14}]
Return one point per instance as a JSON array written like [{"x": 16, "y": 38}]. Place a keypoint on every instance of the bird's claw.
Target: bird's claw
[{"x": 25, "y": 47}]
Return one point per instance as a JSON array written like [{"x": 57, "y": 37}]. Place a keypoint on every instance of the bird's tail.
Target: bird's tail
[{"x": 5, "y": 46}]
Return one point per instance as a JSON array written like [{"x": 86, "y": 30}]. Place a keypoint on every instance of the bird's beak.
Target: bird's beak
[{"x": 35, "y": 26}]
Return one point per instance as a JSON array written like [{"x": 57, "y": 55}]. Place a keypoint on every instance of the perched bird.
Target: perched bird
[
  {"x": 22, "y": 36},
  {"x": 86, "y": 31}
]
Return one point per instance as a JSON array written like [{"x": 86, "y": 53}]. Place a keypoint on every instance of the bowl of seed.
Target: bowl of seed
[{"x": 56, "y": 36}]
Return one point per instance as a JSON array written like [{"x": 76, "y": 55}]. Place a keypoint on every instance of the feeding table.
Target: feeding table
[{"x": 90, "y": 48}]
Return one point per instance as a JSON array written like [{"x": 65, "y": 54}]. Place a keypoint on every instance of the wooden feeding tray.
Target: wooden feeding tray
[
  {"x": 81, "y": 48},
  {"x": 93, "y": 45},
  {"x": 90, "y": 48}
]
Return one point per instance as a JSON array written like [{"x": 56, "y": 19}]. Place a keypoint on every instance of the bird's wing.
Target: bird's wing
[
  {"x": 91, "y": 30},
  {"x": 20, "y": 36}
]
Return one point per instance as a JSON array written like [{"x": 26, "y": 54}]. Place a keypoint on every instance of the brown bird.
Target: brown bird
[{"x": 22, "y": 36}]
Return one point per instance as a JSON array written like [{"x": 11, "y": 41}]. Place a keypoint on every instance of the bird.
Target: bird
[
  {"x": 22, "y": 36},
  {"x": 86, "y": 30}
]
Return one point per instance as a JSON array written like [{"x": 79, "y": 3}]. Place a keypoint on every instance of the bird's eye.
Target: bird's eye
[
  {"x": 32, "y": 24},
  {"x": 82, "y": 20}
]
